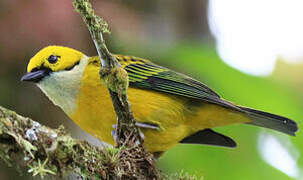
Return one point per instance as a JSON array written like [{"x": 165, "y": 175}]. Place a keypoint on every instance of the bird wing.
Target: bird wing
[{"x": 147, "y": 75}]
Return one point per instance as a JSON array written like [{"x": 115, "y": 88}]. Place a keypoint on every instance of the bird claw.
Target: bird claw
[
  {"x": 115, "y": 136},
  {"x": 147, "y": 126},
  {"x": 141, "y": 134},
  {"x": 138, "y": 124}
]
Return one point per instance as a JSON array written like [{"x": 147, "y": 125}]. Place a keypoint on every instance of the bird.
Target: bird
[{"x": 169, "y": 107}]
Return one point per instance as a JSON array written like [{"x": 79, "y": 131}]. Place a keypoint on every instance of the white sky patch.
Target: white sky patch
[
  {"x": 252, "y": 34},
  {"x": 277, "y": 154}
]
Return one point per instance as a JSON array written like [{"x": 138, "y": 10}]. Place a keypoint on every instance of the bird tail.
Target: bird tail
[{"x": 271, "y": 121}]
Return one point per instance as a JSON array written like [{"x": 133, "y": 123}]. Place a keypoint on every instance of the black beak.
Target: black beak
[{"x": 35, "y": 76}]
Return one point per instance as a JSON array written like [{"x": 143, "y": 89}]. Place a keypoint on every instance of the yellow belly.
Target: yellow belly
[{"x": 177, "y": 117}]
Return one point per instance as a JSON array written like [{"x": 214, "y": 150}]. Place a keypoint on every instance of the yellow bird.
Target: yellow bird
[{"x": 169, "y": 107}]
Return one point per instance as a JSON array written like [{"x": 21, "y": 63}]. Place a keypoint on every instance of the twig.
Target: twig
[
  {"x": 114, "y": 76},
  {"x": 116, "y": 80}
]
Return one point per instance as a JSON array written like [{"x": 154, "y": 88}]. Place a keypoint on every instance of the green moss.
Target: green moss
[
  {"x": 96, "y": 23},
  {"x": 28, "y": 147},
  {"x": 116, "y": 79},
  {"x": 40, "y": 169}
]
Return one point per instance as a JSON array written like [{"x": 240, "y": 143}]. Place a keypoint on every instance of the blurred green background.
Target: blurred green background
[{"x": 174, "y": 34}]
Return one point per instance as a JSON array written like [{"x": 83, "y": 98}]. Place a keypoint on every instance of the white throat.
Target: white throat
[{"x": 63, "y": 87}]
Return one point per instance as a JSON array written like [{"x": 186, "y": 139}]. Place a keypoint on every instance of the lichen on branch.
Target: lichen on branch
[
  {"x": 96, "y": 26},
  {"x": 44, "y": 151},
  {"x": 114, "y": 76}
]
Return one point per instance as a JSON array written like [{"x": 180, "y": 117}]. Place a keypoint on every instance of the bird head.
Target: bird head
[
  {"x": 58, "y": 73},
  {"x": 50, "y": 60}
]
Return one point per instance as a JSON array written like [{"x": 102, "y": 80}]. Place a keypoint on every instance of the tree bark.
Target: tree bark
[{"x": 43, "y": 151}]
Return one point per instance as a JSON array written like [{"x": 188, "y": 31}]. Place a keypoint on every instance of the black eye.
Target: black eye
[{"x": 52, "y": 59}]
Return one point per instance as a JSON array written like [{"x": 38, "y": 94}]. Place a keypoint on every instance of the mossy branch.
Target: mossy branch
[
  {"x": 116, "y": 80},
  {"x": 114, "y": 76},
  {"x": 44, "y": 151}
]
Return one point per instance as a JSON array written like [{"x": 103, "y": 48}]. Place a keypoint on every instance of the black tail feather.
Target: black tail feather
[{"x": 271, "y": 121}]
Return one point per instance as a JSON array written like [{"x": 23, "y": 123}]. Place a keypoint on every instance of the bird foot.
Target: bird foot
[{"x": 140, "y": 125}]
